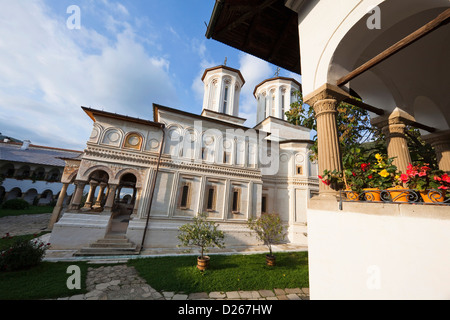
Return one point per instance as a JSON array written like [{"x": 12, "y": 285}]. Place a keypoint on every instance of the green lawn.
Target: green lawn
[
  {"x": 46, "y": 281},
  {"x": 7, "y": 242},
  {"x": 178, "y": 274},
  {"x": 30, "y": 210},
  {"x": 226, "y": 273}
]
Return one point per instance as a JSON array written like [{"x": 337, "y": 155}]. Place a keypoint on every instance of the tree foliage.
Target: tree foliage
[
  {"x": 201, "y": 233},
  {"x": 356, "y": 133},
  {"x": 353, "y": 125},
  {"x": 269, "y": 229}
]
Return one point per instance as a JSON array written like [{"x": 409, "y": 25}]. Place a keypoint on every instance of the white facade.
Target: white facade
[
  {"x": 274, "y": 97},
  {"x": 209, "y": 163}
]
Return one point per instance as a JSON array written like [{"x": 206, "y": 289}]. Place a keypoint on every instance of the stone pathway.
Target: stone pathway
[
  {"x": 24, "y": 224},
  {"x": 121, "y": 282}
]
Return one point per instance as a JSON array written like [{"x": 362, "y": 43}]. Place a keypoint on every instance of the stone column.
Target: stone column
[
  {"x": 325, "y": 101},
  {"x": 98, "y": 202},
  {"x": 440, "y": 141},
  {"x": 110, "y": 200},
  {"x": 89, "y": 199},
  {"x": 76, "y": 199},
  {"x": 393, "y": 127},
  {"x": 57, "y": 210}
]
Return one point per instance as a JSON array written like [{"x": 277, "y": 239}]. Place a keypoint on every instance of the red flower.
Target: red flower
[
  {"x": 364, "y": 166},
  {"x": 370, "y": 177},
  {"x": 436, "y": 178},
  {"x": 354, "y": 174},
  {"x": 404, "y": 177}
]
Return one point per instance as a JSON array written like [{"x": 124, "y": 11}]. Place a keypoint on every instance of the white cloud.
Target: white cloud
[
  {"x": 48, "y": 71},
  {"x": 254, "y": 71}
]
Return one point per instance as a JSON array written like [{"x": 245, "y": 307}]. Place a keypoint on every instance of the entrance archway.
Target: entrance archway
[{"x": 124, "y": 203}]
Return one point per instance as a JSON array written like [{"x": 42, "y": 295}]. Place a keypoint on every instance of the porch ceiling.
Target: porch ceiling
[{"x": 265, "y": 29}]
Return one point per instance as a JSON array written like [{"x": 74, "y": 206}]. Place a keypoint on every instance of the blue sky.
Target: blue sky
[{"x": 127, "y": 55}]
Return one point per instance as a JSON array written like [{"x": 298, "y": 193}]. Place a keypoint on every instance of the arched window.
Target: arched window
[{"x": 225, "y": 100}]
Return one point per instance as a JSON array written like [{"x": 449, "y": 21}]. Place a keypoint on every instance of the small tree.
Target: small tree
[
  {"x": 201, "y": 233},
  {"x": 269, "y": 229}
]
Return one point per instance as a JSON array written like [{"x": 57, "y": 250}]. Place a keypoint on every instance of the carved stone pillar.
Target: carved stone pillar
[
  {"x": 98, "y": 202},
  {"x": 89, "y": 199},
  {"x": 76, "y": 199},
  {"x": 440, "y": 141},
  {"x": 110, "y": 200},
  {"x": 393, "y": 127},
  {"x": 325, "y": 101},
  {"x": 57, "y": 210}
]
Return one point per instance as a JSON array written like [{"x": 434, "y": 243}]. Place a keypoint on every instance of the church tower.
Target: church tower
[
  {"x": 222, "y": 90},
  {"x": 274, "y": 97}
]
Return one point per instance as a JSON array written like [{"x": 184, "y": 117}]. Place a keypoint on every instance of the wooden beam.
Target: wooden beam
[
  {"x": 364, "y": 106},
  {"x": 251, "y": 29},
  {"x": 282, "y": 36},
  {"x": 439, "y": 21},
  {"x": 245, "y": 17},
  {"x": 381, "y": 112}
]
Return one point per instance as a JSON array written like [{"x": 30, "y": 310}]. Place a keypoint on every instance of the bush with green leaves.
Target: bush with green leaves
[
  {"x": 16, "y": 204},
  {"x": 269, "y": 229},
  {"x": 201, "y": 233},
  {"x": 23, "y": 254}
]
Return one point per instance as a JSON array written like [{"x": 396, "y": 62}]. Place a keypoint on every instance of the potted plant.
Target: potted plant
[
  {"x": 203, "y": 234},
  {"x": 270, "y": 230},
  {"x": 379, "y": 175},
  {"x": 431, "y": 184}
]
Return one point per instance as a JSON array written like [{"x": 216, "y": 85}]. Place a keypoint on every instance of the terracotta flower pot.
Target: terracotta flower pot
[
  {"x": 432, "y": 196},
  {"x": 203, "y": 263},
  {"x": 270, "y": 260},
  {"x": 398, "y": 194},
  {"x": 351, "y": 195},
  {"x": 372, "y": 194}
]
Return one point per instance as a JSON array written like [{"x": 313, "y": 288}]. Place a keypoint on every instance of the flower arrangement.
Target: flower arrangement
[
  {"x": 421, "y": 177},
  {"x": 372, "y": 171},
  {"x": 379, "y": 173}
]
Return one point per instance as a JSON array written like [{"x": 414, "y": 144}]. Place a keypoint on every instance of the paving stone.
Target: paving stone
[
  {"x": 168, "y": 294},
  {"x": 255, "y": 295},
  {"x": 282, "y": 297},
  {"x": 180, "y": 297},
  {"x": 102, "y": 286},
  {"x": 293, "y": 290},
  {"x": 217, "y": 295},
  {"x": 279, "y": 292},
  {"x": 156, "y": 295},
  {"x": 293, "y": 296},
  {"x": 94, "y": 293},
  {"x": 271, "y": 298},
  {"x": 198, "y": 296},
  {"x": 233, "y": 295},
  {"x": 266, "y": 293},
  {"x": 245, "y": 294}
]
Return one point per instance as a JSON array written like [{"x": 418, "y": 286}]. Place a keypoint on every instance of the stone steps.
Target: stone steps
[{"x": 111, "y": 245}]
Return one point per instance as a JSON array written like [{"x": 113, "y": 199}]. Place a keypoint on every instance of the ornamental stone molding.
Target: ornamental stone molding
[
  {"x": 393, "y": 127},
  {"x": 325, "y": 92}
]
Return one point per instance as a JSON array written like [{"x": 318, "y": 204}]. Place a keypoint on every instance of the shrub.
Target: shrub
[
  {"x": 269, "y": 229},
  {"x": 201, "y": 233},
  {"x": 16, "y": 204},
  {"x": 23, "y": 254}
]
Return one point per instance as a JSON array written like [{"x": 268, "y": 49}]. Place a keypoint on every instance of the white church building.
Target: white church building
[{"x": 144, "y": 179}]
